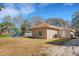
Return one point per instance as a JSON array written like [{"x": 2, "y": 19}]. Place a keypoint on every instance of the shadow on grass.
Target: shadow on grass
[{"x": 61, "y": 42}]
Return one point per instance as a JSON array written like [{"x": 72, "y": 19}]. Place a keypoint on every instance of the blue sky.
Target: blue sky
[{"x": 45, "y": 10}]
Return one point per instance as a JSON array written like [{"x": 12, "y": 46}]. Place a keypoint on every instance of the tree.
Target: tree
[
  {"x": 59, "y": 22},
  {"x": 25, "y": 27},
  {"x": 1, "y": 28},
  {"x": 18, "y": 21},
  {"x": 6, "y": 27},
  {"x": 75, "y": 20},
  {"x": 7, "y": 19},
  {"x": 36, "y": 20},
  {"x": 27, "y": 24},
  {"x": 1, "y": 8},
  {"x": 8, "y": 24},
  {"x": 23, "y": 30}
]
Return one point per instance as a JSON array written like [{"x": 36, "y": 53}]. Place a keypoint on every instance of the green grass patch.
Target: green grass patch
[
  {"x": 60, "y": 40},
  {"x": 4, "y": 36}
]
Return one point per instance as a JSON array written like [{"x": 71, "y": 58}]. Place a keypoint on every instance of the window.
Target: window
[
  {"x": 55, "y": 35},
  {"x": 40, "y": 33}
]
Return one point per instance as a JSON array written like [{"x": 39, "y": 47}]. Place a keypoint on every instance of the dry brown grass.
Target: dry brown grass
[{"x": 22, "y": 47}]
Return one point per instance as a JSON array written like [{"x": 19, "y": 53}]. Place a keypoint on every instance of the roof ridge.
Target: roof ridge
[{"x": 45, "y": 25}]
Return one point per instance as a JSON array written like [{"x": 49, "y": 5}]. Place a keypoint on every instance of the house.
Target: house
[
  {"x": 72, "y": 32},
  {"x": 66, "y": 33},
  {"x": 47, "y": 31}
]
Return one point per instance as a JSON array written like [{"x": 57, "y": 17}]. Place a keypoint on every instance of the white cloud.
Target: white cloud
[
  {"x": 27, "y": 8},
  {"x": 68, "y": 4},
  {"x": 43, "y": 4},
  {"x": 6, "y": 5},
  {"x": 12, "y": 9},
  {"x": 9, "y": 11}
]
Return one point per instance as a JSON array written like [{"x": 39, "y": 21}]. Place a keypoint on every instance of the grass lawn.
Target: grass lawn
[
  {"x": 24, "y": 46},
  {"x": 4, "y": 36}
]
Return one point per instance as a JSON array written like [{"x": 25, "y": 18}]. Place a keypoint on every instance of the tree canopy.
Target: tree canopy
[
  {"x": 75, "y": 20},
  {"x": 1, "y": 8},
  {"x": 59, "y": 22}
]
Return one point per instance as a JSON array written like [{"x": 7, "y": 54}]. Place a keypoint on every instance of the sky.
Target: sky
[{"x": 45, "y": 10}]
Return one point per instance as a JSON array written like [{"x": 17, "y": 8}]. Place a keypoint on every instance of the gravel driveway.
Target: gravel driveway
[{"x": 69, "y": 48}]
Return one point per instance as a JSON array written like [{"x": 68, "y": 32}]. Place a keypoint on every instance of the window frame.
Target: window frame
[{"x": 40, "y": 33}]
